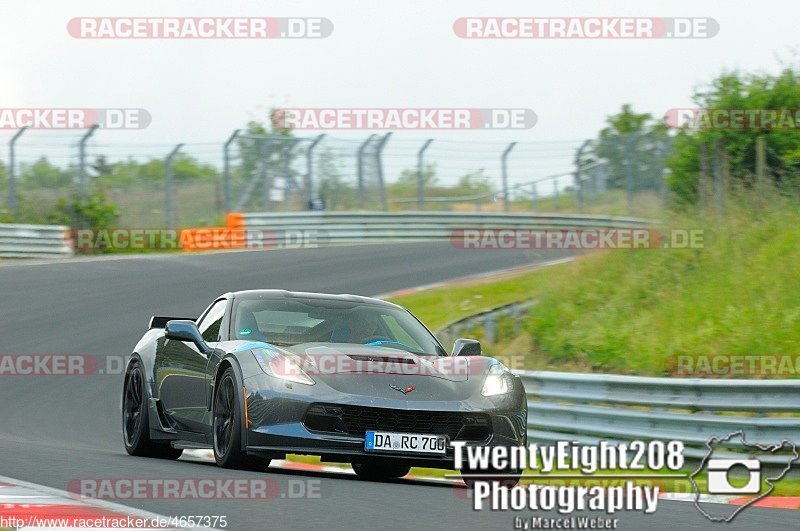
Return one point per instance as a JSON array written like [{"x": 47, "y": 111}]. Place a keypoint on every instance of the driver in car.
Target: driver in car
[{"x": 356, "y": 328}]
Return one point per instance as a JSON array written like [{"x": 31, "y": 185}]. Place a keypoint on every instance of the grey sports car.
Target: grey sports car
[{"x": 352, "y": 379}]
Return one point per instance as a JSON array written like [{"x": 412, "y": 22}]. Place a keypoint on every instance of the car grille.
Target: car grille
[{"x": 356, "y": 420}]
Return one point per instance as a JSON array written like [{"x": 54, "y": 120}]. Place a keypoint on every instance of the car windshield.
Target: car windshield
[{"x": 287, "y": 322}]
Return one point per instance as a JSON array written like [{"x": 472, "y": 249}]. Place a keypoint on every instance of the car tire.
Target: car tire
[
  {"x": 380, "y": 470},
  {"x": 136, "y": 418},
  {"x": 227, "y": 427}
]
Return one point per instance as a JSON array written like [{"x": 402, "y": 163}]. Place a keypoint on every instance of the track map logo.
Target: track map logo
[{"x": 750, "y": 476}]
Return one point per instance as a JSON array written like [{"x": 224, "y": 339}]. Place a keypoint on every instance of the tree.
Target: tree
[
  {"x": 736, "y": 90},
  {"x": 130, "y": 171},
  {"x": 406, "y": 184},
  {"x": 42, "y": 174},
  {"x": 187, "y": 168},
  {"x": 331, "y": 187},
  {"x": 474, "y": 183},
  {"x": 635, "y": 138}
]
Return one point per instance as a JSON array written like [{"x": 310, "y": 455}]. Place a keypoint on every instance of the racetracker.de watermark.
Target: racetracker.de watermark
[
  {"x": 328, "y": 361},
  {"x": 73, "y": 118},
  {"x": 195, "y": 239},
  {"x": 585, "y": 27},
  {"x": 28, "y": 516},
  {"x": 577, "y": 239},
  {"x": 200, "y": 27},
  {"x": 734, "y": 365},
  {"x": 386, "y": 118},
  {"x": 60, "y": 364},
  {"x": 193, "y": 489},
  {"x": 718, "y": 119}
]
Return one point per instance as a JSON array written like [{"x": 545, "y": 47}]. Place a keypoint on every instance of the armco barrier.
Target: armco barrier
[
  {"x": 590, "y": 407},
  {"x": 34, "y": 241},
  {"x": 364, "y": 227}
]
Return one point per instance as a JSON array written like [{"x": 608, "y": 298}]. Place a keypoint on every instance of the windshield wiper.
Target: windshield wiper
[{"x": 398, "y": 346}]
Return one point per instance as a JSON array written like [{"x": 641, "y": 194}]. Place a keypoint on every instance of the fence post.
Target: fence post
[
  {"x": 761, "y": 160},
  {"x": 503, "y": 160},
  {"x": 379, "y": 154},
  {"x": 264, "y": 151},
  {"x": 169, "y": 209},
  {"x": 12, "y": 173},
  {"x": 360, "y": 169},
  {"x": 718, "y": 176},
  {"x": 82, "y": 161},
  {"x": 702, "y": 184},
  {"x": 578, "y": 176},
  {"x": 420, "y": 176},
  {"x": 310, "y": 195},
  {"x": 601, "y": 179},
  {"x": 490, "y": 329},
  {"x": 726, "y": 174},
  {"x": 226, "y": 171},
  {"x": 663, "y": 151},
  {"x": 629, "y": 170},
  {"x": 287, "y": 146},
  {"x": 555, "y": 193}
]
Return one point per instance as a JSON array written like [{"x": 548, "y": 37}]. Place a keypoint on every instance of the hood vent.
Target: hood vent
[{"x": 382, "y": 359}]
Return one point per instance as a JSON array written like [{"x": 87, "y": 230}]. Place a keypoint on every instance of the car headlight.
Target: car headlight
[
  {"x": 283, "y": 366},
  {"x": 498, "y": 381}
]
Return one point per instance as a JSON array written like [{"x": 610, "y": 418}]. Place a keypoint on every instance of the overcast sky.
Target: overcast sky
[{"x": 381, "y": 54}]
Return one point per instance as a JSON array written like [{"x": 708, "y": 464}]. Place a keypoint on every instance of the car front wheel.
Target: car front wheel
[{"x": 227, "y": 427}]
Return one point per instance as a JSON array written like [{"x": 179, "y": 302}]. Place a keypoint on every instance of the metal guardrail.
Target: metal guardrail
[
  {"x": 592, "y": 407},
  {"x": 487, "y": 319},
  {"x": 357, "y": 227},
  {"x": 34, "y": 241}
]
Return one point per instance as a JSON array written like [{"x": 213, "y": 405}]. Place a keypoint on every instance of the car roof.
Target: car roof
[{"x": 285, "y": 294}]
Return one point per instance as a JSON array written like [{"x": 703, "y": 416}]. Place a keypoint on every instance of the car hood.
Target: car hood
[{"x": 325, "y": 359}]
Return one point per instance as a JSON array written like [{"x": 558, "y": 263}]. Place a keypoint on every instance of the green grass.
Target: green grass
[
  {"x": 611, "y": 202},
  {"x": 632, "y": 311},
  {"x": 438, "y": 307}
]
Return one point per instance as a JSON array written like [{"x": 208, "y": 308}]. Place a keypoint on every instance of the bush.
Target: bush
[{"x": 94, "y": 212}]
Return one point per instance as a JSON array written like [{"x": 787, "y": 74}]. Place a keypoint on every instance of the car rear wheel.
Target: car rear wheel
[
  {"x": 378, "y": 470},
  {"x": 227, "y": 428},
  {"x": 135, "y": 418}
]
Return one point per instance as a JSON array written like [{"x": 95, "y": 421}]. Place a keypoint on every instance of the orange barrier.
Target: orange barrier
[
  {"x": 234, "y": 220},
  {"x": 232, "y": 236},
  {"x": 213, "y": 238}
]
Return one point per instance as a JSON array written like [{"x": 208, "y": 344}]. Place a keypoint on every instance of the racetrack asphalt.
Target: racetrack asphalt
[{"x": 55, "y": 429}]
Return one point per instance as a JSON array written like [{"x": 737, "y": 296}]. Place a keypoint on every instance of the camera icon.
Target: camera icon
[{"x": 719, "y": 481}]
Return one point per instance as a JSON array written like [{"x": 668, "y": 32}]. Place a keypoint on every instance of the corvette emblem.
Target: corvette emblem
[{"x": 404, "y": 391}]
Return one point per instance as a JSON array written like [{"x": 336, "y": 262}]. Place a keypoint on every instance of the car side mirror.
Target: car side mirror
[
  {"x": 467, "y": 347},
  {"x": 186, "y": 331}
]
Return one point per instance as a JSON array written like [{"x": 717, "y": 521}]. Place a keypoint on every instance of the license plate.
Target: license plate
[{"x": 413, "y": 443}]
